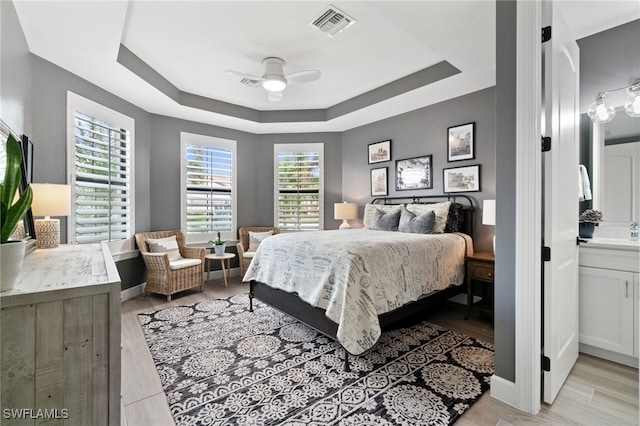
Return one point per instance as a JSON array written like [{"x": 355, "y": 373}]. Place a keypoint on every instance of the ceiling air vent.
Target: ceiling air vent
[
  {"x": 331, "y": 21},
  {"x": 250, "y": 82}
]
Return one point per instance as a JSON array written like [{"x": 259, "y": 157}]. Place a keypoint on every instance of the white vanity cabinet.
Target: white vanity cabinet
[{"x": 609, "y": 279}]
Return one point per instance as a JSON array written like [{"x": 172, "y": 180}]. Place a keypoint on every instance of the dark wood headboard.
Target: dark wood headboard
[{"x": 465, "y": 200}]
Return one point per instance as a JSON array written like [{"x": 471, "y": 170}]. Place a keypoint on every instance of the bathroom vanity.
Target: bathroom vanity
[{"x": 609, "y": 280}]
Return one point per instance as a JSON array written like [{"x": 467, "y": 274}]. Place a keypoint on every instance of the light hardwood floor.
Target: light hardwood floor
[{"x": 597, "y": 392}]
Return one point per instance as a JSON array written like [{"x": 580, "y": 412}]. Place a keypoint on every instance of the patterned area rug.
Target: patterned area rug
[{"x": 220, "y": 364}]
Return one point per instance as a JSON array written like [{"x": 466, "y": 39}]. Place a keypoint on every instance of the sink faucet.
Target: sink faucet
[{"x": 634, "y": 231}]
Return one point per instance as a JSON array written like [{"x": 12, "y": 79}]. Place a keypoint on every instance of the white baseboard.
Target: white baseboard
[
  {"x": 132, "y": 292},
  {"x": 135, "y": 291},
  {"x": 503, "y": 390}
]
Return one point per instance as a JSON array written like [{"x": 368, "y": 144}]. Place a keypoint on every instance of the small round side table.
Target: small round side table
[{"x": 225, "y": 271}]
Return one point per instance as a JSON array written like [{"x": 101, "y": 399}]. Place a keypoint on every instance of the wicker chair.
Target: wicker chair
[
  {"x": 161, "y": 277},
  {"x": 244, "y": 255}
]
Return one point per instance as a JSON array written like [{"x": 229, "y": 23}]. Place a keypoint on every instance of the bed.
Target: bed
[{"x": 350, "y": 284}]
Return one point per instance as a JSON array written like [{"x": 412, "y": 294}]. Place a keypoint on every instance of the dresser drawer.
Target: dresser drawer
[{"x": 481, "y": 271}]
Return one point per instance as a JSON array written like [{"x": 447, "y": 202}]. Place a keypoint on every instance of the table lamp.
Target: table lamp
[
  {"x": 345, "y": 211},
  {"x": 489, "y": 217},
  {"x": 49, "y": 200}
]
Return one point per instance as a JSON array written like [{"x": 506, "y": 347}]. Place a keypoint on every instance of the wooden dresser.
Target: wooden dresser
[{"x": 60, "y": 341}]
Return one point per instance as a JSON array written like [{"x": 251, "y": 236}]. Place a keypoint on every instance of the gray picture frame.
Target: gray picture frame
[
  {"x": 461, "y": 179},
  {"x": 414, "y": 173},
  {"x": 379, "y": 182},
  {"x": 461, "y": 142},
  {"x": 379, "y": 152}
]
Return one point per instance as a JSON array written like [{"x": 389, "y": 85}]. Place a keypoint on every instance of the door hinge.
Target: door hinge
[
  {"x": 546, "y": 254},
  {"x": 546, "y": 363},
  {"x": 546, "y": 143},
  {"x": 546, "y": 34}
]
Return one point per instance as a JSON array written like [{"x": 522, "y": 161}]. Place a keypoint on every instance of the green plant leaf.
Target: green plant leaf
[{"x": 11, "y": 214}]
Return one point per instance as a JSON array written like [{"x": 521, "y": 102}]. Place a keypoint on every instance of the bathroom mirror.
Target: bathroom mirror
[{"x": 616, "y": 170}]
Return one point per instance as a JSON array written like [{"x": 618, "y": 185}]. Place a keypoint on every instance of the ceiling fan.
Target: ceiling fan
[{"x": 274, "y": 80}]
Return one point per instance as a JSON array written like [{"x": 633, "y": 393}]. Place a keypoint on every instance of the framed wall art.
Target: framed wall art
[
  {"x": 379, "y": 152},
  {"x": 379, "y": 182},
  {"x": 462, "y": 179},
  {"x": 414, "y": 173},
  {"x": 460, "y": 142}
]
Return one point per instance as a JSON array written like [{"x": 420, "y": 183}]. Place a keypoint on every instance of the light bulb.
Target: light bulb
[
  {"x": 274, "y": 83},
  {"x": 632, "y": 106},
  {"x": 601, "y": 110}
]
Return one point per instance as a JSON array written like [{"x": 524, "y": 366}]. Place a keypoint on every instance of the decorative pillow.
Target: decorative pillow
[
  {"x": 441, "y": 210},
  {"x": 386, "y": 221},
  {"x": 167, "y": 245},
  {"x": 255, "y": 238},
  {"x": 422, "y": 224},
  {"x": 455, "y": 219},
  {"x": 370, "y": 211}
]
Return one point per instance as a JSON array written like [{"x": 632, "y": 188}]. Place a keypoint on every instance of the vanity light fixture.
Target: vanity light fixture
[
  {"x": 632, "y": 106},
  {"x": 602, "y": 111}
]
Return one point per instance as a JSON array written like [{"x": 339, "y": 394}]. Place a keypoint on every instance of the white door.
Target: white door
[{"x": 561, "y": 112}]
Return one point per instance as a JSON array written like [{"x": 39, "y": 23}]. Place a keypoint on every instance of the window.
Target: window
[
  {"x": 299, "y": 186},
  {"x": 100, "y": 159},
  {"x": 208, "y": 187}
]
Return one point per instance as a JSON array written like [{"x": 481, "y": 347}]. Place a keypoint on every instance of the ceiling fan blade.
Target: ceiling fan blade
[
  {"x": 275, "y": 96},
  {"x": 302, "y": 76},
  {"x": 244, "y": 75}
]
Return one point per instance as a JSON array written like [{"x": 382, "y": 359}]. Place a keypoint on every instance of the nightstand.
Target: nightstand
[{"x": 480, "y": 267}]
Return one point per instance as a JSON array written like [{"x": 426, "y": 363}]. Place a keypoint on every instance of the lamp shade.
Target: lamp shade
[
  {"x": 51, "y": 199},
  {"x": 489, "y": 212},
  {"x": 344, "y": 211}
]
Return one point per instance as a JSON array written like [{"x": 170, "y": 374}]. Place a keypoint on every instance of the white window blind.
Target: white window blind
[
  {"x": 102, "y": 180},
  {"x": 299, "y": 195},
  {"x": 208, "y": 182}
]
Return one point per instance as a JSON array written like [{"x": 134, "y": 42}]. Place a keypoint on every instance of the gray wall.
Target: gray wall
[
  {"x": 424, "y": 132},
  {"x": 15, "y": 72},
  {"x": 50, "y": 84},
  {"x": 164, "y": 159},
  {"x": 505, "y": 110},
  {"x": 608, "y": 60},
  {"x": 332, "y": 172}
]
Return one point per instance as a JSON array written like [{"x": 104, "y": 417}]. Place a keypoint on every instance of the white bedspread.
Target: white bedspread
[{"x": 357, "y": 274}]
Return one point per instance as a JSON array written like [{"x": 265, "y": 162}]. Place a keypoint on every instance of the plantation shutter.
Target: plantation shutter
[
  {"x": 209, "y": 197},
  {"x": 299, "y": 189},
  {"x": 102, "y": 187}
]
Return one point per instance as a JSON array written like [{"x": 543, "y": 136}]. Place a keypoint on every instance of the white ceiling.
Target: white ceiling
[{"x": 190, "y": 44}]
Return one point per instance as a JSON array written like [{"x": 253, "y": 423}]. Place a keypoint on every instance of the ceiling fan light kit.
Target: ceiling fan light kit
[{"x": 274, "y": 81}]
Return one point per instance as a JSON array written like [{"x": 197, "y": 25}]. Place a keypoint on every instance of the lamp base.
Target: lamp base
[
  {"x": 47, "y": 233},
  {"x": 344, "y": 224}
]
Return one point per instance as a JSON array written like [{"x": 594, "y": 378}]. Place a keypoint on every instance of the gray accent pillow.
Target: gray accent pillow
[
  {"x": 386, "y": 221},
  {"x": 422, "y": 224}
]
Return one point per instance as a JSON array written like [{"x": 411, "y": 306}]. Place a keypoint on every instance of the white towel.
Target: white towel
[{"x": 584, "y": 186}]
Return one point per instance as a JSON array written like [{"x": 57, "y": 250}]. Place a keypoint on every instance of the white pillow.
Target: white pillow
[
  {"x": 370, "y": 212},
  {"x": 167, "y": 245},
  {"x": 441, "y": 210},
  {"x": 255, "y": 238}
]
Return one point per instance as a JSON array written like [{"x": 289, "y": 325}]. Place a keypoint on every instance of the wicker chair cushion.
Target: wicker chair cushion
[
  {"x": 167, "y": 245},
  {"x": 248, "y": 254},
  {"x": 255, "y": 238},
  {"x": 183, "y": 263}
]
